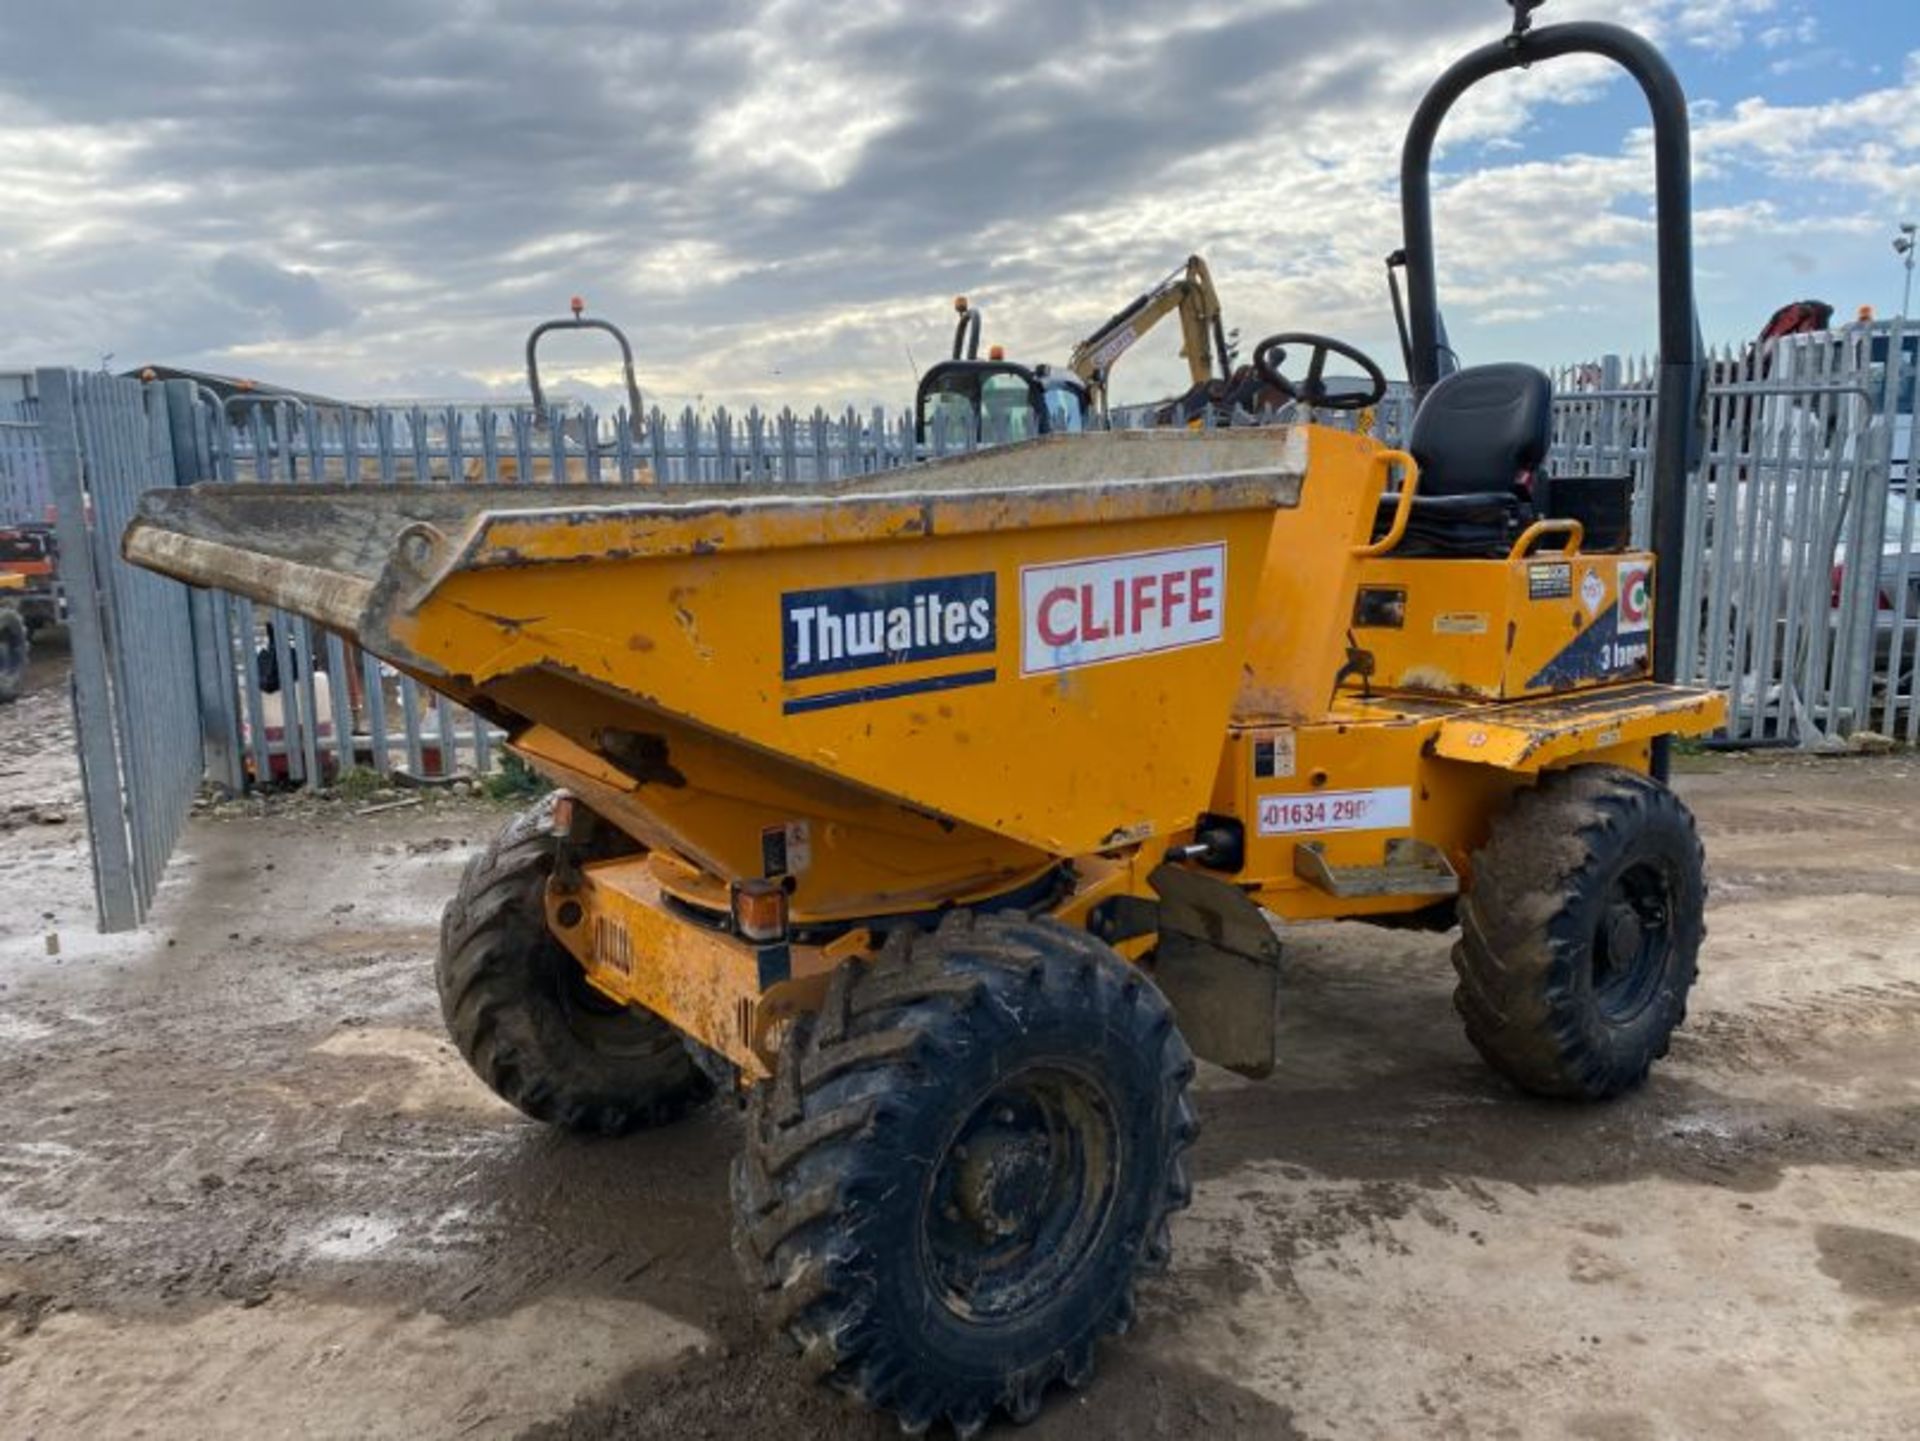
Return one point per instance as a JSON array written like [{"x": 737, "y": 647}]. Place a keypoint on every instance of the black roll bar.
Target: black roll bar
[
  {"x": 966, "y": 334},
  {"x": 580, "y": 321},
  {"x": 1678, "y": 436}
]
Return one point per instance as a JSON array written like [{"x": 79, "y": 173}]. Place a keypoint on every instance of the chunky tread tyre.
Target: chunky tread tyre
[
  {"x": 522, "y": 1015},
  {"x": 15, "y": 651},
  {"x": 834, "y": 1197},
  {"x": 1531, "y": 938}
]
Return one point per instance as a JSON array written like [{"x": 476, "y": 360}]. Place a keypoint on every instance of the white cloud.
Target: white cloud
[
  {"x": 779, "y": 199},
  {"x": 1804, "y": 30}
]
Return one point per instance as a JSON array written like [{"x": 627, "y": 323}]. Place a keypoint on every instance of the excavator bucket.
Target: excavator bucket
[{"x": 1035, "y": 641}]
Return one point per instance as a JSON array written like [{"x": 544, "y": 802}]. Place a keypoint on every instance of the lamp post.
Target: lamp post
[{"x": 1903, "y": 245}]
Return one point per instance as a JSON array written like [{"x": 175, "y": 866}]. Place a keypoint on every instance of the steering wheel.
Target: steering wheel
[{"x": 1312, "y": 391}]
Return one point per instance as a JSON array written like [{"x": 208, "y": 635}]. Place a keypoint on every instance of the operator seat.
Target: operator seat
[{"x": 1480, "y": 437}]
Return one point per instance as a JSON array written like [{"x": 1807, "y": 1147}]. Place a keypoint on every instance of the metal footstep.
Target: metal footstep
[{"x": 1411, "y": 868}]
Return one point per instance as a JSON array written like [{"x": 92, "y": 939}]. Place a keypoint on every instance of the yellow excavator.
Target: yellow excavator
[
  {"x": 1003, "y": 400},
  {"x": 1204, "y": 342}
]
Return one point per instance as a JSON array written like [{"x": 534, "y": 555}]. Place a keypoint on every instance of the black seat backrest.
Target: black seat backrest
[{"x": 1483, "y": 430}]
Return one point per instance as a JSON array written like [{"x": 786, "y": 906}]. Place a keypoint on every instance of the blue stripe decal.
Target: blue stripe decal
[{"x": 888, "y": 692}]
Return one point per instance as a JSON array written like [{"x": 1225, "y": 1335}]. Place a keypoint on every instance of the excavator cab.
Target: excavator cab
[{"x": 964, "y": 401}]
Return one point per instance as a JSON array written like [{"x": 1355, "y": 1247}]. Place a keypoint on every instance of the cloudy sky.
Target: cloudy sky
[{"x": 778, "y": 198}]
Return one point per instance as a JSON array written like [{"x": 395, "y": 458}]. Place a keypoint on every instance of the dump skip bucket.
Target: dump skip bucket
[{"x": 1039, "y": 640}]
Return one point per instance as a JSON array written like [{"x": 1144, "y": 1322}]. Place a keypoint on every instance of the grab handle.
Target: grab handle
[{"x": 1409, "y": 487}]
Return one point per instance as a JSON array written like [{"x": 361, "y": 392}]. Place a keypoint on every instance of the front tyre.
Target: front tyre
[
  {"x": 1580, "y": 936},
  {"x": 962, "y": 1161}
]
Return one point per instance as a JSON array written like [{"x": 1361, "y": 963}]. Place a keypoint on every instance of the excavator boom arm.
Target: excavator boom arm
[{"x": 1189, "y": 290}]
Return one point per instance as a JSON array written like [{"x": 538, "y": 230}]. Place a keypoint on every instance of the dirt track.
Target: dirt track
[{"x": 246, "y": 1190}]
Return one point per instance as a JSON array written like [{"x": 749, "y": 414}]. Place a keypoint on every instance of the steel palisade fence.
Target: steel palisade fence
[
  {"x": 25, "y": 495},
  {"x": 136, "y": 693},
  {"x": 1806, "y": 465}
]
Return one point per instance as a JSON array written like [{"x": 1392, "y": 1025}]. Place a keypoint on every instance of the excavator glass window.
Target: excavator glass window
[
  {"x": 1066, "y": 409},
  {"x": 987, "y": 402},
  {"x": 950, "y": 415},
  {"x": 1006, "y": 409}
]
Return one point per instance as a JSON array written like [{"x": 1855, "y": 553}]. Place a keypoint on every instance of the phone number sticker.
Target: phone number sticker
[{"x": 1389, "y": 809}]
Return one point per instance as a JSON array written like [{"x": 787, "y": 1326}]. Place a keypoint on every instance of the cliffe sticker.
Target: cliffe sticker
[
  {"x": 1636, "y": 597},
  {"x": 1116, "y": 607},
  {"x": 1387, "y": 809}
]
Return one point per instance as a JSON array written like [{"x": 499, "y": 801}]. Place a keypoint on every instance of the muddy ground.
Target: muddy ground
[{"x": 247, "y": 1190}]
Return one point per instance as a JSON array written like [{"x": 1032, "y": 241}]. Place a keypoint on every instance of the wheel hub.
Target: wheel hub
[
  {"x": 1624, "y": 935},
  {"x": 1021, "y": 1195},
  {"x": 1002, "y": 1183},
  {"x": 1631, "y": 940}
]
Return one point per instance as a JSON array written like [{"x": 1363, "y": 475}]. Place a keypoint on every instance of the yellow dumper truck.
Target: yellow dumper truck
[{"x": 946, "y": 814}]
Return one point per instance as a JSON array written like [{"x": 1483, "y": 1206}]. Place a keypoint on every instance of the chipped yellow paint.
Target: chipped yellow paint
[
  {"x": 1536, "y": 735},
  {"x": 636, "y": 951},
  {"x": 614, "y": 619}
]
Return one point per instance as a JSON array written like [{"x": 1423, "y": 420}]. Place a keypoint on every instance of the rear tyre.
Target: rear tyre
[
  {"x": 15, "y": 651},
  {"x": 962, "y": 1161},
  {"x": 522, "y": 1013},
  {"x": 1580, "y": 937}
]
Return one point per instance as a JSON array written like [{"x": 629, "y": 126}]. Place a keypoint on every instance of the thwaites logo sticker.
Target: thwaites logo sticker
[
  {"x": 1111, "y": 608},
  {"x": 867, "y": 628},
  {"x": 1636, "y": 597}
]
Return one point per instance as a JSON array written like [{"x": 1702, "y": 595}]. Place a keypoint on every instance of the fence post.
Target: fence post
[
  {"x": 92, "y": 700},
  {"x": 213, "y": 662},
  {"x": 1865, "y": 531}
]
